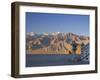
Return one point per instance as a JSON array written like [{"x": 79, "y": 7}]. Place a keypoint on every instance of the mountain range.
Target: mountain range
[{"x": 56, "y": 42}]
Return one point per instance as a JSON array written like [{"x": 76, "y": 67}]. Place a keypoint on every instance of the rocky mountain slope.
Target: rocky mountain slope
[{"x": 53, "y": 43}]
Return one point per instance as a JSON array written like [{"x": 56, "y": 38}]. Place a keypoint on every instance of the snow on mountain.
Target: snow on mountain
[{"x": 31, "y": 34}]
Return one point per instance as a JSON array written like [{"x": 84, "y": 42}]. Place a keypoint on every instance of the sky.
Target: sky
[{"x": 49, "y": 22}]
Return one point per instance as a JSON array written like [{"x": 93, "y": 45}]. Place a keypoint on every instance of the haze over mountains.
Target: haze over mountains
[{"x": 56, "y": 42}]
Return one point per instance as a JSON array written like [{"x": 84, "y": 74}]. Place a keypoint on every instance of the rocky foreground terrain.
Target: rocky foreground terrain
[{"x": 55, "y": 43}]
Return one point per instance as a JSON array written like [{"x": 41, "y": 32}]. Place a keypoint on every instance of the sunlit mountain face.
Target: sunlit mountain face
[{"x": 55, "y": 43}]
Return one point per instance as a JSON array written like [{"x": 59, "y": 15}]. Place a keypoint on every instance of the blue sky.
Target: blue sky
[{"x": 47, "y": 22}]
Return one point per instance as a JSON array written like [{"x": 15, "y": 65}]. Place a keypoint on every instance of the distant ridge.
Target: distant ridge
[{"x": 55, "y": 43}]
